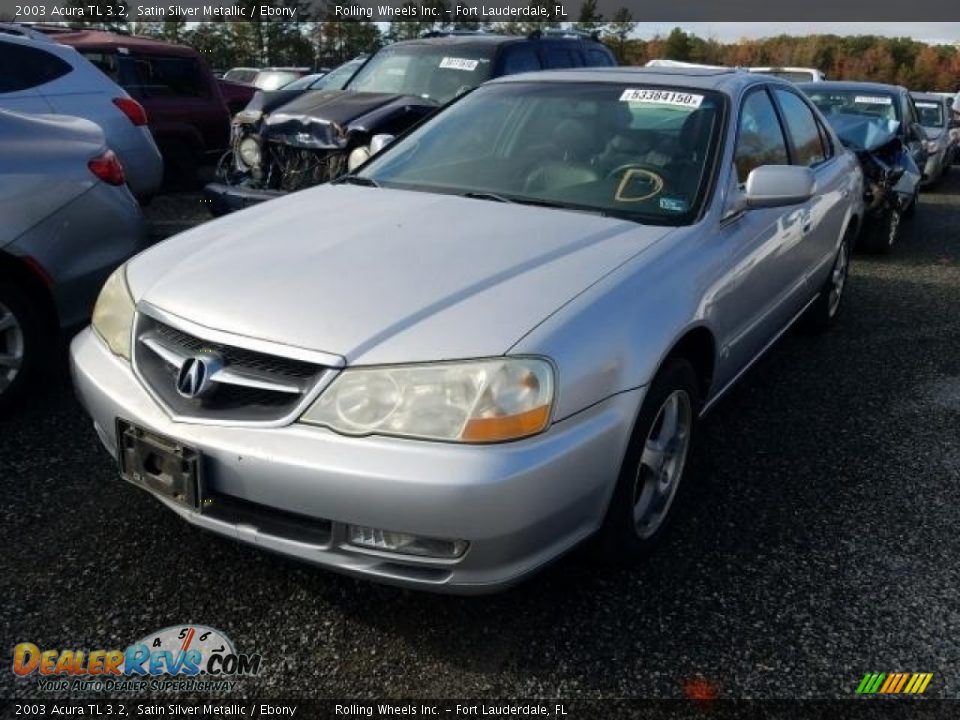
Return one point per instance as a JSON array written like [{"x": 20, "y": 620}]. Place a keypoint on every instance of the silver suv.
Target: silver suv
[{"x": 490, "y": 342}]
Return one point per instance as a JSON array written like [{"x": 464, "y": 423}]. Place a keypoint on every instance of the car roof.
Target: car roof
[
  {"x": 932, "y": 97},
  {"x": 728, "y": 80},
  {"x": 100, "y": 39},
  {"x": 852, "y": 85},
  {"x": 482, "y": 39}
]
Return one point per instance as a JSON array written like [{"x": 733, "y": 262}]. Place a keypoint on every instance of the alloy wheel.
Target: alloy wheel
[
  {"x": 661, "y": 463},
  {"x": 11, "y": 347},
  {"x": 838, "y": 279}
]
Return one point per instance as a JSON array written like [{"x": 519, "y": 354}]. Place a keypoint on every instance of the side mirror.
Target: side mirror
[
  {"x": 779, "y": 185},
  {"x": 918, "y": 133},
  {"x": 379, "y": 142}
]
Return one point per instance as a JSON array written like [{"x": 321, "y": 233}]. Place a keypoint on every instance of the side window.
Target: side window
[
  {"x": 759, "y": 136},
  {"x": 105, "y": 62},
  {"x": 520, "y": 58},
  {"x": 150, "y": 76},
  {"x": 802, "y": 128},
  {"x": 559, "y": 56},
  {"x": 23, "y": 67}
]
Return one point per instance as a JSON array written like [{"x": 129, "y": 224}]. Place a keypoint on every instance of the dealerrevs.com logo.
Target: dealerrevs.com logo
[{"x": 191, "y": 658}]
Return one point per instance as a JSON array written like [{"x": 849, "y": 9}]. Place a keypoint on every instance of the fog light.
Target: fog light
[{"x": 405, "y": 543}]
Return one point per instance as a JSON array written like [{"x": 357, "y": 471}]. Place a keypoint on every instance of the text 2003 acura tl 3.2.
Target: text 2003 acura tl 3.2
[{"x": 499, "y": 340}]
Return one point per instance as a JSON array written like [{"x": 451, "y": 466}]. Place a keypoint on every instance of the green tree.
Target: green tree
[
  {"x": 678, "y": 45},
  {"x": 618, "y": 31}
]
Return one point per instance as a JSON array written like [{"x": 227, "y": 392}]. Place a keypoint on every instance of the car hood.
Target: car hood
[
  {"x": 933, "y": 133},
  {"x": 384, "y": 276},
  {"x": 323, "y": 118}
]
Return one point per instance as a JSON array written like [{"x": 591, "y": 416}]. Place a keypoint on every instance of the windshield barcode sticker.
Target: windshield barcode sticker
[
  {"x": 662, "y": 97},
  {"x": 873, "y": 100},
  {"x": 459, "y": 64}
]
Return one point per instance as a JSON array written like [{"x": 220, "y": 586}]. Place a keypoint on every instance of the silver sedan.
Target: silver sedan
[{"x": 489, "y": 343}]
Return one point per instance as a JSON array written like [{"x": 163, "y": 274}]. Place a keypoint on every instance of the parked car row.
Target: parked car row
[{"x": 527, "y": 287}]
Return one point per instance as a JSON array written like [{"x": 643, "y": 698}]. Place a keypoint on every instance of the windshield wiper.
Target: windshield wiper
[
  {"x": 356, "y": 180},
  {"x": 476, "y": 195}
]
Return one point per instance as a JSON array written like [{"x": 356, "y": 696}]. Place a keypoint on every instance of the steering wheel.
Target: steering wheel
[{"x": 648, "y": 179}]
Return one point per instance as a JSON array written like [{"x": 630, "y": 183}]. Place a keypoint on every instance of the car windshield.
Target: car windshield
[
  {"x": 305, "y": 83},
  {"x": 866, "y": 103},
  {"x": 437, "y": 73},
  {"x": 640, "y": 153},
  {"x": 274, "y": 79},
  {"x": 337, "y": 78},
  {"x": 931, "y": 113}
]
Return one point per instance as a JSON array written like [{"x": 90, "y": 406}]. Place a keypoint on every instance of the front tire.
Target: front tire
[
  {"x": 654, "y": 467},
  {"x": 21, "y": 344}
]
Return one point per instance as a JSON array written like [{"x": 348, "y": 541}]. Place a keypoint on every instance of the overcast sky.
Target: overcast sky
[{"x": 943, "y": 32}]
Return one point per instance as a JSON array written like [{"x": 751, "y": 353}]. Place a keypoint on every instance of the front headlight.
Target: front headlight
[
  {"x": 474, "y": 402},
  {"x": 932, "y": 146},
  {"x": 113, "y": 313},
  {"x": 249, "y": 151}
]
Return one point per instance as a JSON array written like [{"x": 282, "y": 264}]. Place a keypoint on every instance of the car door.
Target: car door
[
  {"x": 825, "y": 214},
  {"x": 764, "y": 284},
  {"x": 23, "y": 68}
]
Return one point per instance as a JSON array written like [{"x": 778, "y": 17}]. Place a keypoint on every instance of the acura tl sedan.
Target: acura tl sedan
[{"x": 490, "y": 342}]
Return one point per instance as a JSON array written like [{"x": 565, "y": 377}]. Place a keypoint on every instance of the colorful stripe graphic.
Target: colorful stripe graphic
[{"x": 894, "y": 683}]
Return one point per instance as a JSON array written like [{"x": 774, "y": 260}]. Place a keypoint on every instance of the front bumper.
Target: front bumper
[
  {"x": 519, "y": 505},
  {"x": 933, "y": 168},
  {"x": 228, "y": 198}
]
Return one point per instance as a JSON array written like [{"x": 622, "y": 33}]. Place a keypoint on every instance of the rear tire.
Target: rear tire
[
  {"x": 654, "y": 467},
  {"x": 22, "y": 344}
]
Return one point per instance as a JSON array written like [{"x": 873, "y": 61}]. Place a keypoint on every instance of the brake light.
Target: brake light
[
  {"x": 107, "y": 167},
  {"x": 132, "y": 109}
]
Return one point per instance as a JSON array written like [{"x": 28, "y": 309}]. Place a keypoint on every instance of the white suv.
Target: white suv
[{"x": 41, "y": 76}]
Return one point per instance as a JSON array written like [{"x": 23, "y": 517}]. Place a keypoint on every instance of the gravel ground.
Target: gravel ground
[{"x": 821, "y": 541}]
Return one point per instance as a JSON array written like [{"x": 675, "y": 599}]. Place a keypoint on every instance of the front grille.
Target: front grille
[{"x": 240, "y": 385}]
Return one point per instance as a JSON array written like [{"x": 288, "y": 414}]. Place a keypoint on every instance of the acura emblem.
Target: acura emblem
[{"x": 195, "y": 377}]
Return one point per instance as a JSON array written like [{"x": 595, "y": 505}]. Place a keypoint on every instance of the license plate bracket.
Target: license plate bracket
[{"x": 159, "y": 464}]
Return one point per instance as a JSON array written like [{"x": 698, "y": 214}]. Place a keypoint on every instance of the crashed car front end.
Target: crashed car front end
[{"x": 278, "y": 148}]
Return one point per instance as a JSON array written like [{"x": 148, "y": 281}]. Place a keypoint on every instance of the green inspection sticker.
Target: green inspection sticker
[{"x": 673, "y": 204}]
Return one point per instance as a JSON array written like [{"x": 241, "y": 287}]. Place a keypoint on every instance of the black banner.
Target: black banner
[{"x": 914, "y": 709}]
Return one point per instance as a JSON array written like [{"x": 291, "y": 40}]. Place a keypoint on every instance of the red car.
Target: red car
[{"x": 187, "y": 113}]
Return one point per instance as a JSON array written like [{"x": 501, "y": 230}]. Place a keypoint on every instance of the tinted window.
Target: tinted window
[
  {"x": 23, "y": 67},
  {"x": 559, "y": 56},
  {"x": 105, "y": 62},
  {"x": 802, "y": 127},
  {"x": 150, "y": 76},
  {"x": 599, "y": 58},
  {"x": 759, "y": 136},
  {"x": 520, "y": 58}
]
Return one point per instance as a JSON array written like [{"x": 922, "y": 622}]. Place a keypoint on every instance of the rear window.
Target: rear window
[
  {"x": 599, "y": 58},
  {"x": 153, "y": 76},
  {"x": 23, "y": 67}
]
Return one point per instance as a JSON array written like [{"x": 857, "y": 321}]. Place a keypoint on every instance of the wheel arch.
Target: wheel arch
[
  {"x": 30, "y": 277},
  {"x": 698, "y": 346}
]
